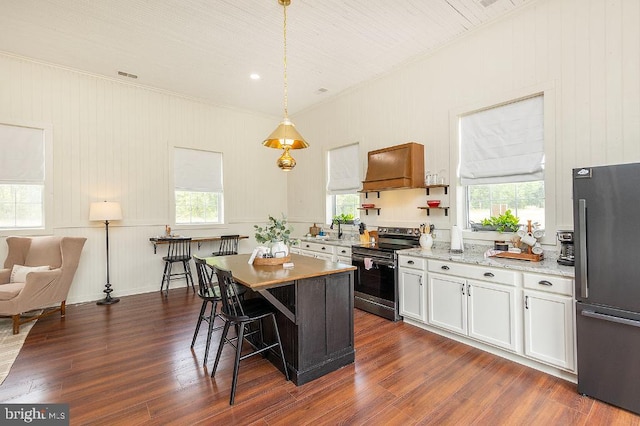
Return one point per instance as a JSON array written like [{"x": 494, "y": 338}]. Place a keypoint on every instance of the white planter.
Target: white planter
[{"x": 279, "y": 249}]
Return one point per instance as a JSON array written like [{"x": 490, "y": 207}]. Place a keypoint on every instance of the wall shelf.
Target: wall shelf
[
  {"x": 446, "y": 209},
  {"x": 371, "y": 208},
  {"x": 446, "y": 188},
  {"x": 366, "y": 193}
]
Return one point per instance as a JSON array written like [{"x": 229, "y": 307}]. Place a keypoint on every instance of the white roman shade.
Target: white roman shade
[
  {"x": 503, "y": 144},
  {"x": 196, "y": 170},
  {"x": 344, "y": 170},
  {"x": 21, "y": 154}
]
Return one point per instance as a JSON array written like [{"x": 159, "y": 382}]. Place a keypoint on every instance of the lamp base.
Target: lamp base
[{"x": 108, "y": 300}]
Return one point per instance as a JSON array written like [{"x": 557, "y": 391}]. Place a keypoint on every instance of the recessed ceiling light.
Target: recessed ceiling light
[{"x": 255, "y": 76}]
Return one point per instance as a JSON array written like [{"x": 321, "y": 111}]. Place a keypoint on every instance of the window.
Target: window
[
  {"x": 346, "y": 204},
  {"x": 198, "y": 187},
  {"x": 524, "y": 199},
  {"x": 22, "y": 177},
  {"x": 502, "y": 161},
  {"x": 344, "y": 181}
]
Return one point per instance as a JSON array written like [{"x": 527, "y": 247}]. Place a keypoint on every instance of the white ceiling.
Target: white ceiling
[{"x": 208, "y": 48}]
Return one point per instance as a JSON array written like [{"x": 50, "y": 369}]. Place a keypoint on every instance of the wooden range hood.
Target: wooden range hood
[{"x": 396, "y": 167}]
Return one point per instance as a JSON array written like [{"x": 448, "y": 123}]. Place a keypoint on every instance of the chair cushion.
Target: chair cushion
[
  {"x": 11, "y": 290},
  {"x": 19, "y": 272}
]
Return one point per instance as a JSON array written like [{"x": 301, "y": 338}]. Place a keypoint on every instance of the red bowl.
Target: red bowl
[
  {"x": 433, "y": 203},
  {"x": 368, "y": 206}
]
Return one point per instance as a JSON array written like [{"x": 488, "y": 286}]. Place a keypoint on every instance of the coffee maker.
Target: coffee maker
[{"x": 567, "y": 249}]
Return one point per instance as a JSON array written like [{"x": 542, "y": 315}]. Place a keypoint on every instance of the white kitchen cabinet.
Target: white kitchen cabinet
[
  {"x": 482, "y": 310},
  {"x": 447, "y": 303},
  {"x": 412, "y": 285},
  {"x": 549, "y": 320},
  {"x": 492, "y": 314},
  {"x": 343, "y": 254},
  {"x": 317, "y": 250},
  {"x": 325, "y": 256}
]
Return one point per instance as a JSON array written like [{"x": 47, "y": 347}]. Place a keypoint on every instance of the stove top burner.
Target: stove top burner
[{"x": 393, "y": 239}]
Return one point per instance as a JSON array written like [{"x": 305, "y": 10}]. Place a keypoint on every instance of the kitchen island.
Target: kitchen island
[{"x": 315, "y": 310}]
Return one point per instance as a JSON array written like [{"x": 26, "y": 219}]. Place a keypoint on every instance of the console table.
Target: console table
[{"x": 199, "y": 240}]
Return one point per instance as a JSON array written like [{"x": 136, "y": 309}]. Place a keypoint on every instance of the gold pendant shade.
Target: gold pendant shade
[{"x": 285, "y": 136}]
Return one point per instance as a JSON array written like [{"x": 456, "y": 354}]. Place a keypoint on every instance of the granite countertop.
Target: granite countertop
[
  {"x": 345, "y": 242},
  {"x": 476, "y": 255},
  {"x": 473, "y": 254}
]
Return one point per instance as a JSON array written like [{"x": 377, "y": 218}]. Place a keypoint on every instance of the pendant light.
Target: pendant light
[{"x": 285, "y": 136}]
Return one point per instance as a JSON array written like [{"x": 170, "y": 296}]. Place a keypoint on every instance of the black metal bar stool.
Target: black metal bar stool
[
  {"x": 228, "y": 245},
  {"x": 179, "y": 251},
  {"x": 209, "y": 292},
  {"x": 240, "y": 314}
]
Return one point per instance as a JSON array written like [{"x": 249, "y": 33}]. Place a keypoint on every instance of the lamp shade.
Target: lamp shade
[
  {"x": 285, "y": 135},
  {"x": 105, "y": 210}
]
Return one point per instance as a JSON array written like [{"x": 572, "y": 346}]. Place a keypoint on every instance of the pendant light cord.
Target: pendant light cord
[{"x": 286, "y": 109}]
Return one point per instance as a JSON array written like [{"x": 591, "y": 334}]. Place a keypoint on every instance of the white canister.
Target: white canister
[{"x": 426, "y": 241}]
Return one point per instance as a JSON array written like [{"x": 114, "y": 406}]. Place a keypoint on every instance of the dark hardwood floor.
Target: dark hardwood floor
[{"x": 130, "y": 363}]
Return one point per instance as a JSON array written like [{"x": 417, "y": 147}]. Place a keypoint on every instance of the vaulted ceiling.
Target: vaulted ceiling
[{"x": 208, "y": 48}]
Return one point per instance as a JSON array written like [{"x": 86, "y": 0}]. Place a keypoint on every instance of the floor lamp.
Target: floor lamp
[{"x": 106, "y": 211}]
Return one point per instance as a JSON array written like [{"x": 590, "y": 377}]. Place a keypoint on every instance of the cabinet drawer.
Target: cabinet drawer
[
  {"x": 494, "y": 275},
  {"x": 412, "y": 262},
  {"x": 317, "y": 247},
  {"x": 548, "y": 283},
  {"x": 343, "y": 251}
]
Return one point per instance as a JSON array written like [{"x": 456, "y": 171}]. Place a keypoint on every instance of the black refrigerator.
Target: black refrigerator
[{"x": 606, "y": 210}]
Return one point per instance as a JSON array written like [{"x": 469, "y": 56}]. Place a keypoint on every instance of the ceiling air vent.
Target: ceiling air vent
[{"x": 126, "y": 74}]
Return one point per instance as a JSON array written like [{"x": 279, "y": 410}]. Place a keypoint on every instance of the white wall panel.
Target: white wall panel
[
  {"x": 114, "y": 141},
  {"x": 588, "y": 51}
]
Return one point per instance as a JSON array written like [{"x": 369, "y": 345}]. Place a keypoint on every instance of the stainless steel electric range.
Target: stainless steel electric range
[{"x": 376, "y": 279}]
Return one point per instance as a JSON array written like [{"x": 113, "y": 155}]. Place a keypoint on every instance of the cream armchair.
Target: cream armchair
[{"x": 38, "y": 289}]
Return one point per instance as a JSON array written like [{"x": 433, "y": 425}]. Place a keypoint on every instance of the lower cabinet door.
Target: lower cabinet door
[
  {"x": 325, "y": 256},
  {"x": 492, "y": 314},
  {"x": 411, "y": 288},
  {"x": 548, "y": 328},
  {"x": 447, "y": 303}
]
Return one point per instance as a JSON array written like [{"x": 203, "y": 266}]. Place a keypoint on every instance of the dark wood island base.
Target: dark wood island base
[{"x": 315, "y": 311}]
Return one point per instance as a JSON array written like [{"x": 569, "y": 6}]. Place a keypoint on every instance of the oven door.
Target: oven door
[{"x": 375, "y": 287}]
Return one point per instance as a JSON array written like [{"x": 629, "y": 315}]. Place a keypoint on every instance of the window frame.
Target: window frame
[
  {"x": 458, "y": 192},
  {"x": 47, "y": 185},
  {"x": 331, "y": 203},
  {"x": 174, "y": 189}
]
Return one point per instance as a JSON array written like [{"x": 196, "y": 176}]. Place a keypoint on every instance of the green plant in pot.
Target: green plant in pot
[
  {"x": 276, "y": 233},
  {"x": 506, "y": 222},
  {"x": 343, "y": 218}
]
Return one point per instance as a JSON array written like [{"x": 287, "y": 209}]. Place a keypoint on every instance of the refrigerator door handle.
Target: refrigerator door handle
[
  {"x": 611, "y": 318},
  {"x": 582, "y": 252}
]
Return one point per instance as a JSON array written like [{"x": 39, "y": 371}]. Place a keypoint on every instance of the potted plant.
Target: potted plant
[
  {"x": 506, "y": 222},
  {"x": 276, "y": 233}
]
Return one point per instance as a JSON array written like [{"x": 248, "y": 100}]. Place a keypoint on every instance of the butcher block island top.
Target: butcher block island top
[
  {"x": 264, "y": 276},
  {"x": 314, "y": 300}
]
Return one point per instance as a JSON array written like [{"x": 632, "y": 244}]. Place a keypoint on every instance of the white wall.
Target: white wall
[
  {"x": 586, "y": 53},
  {"x": 114, "y": 141}
]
